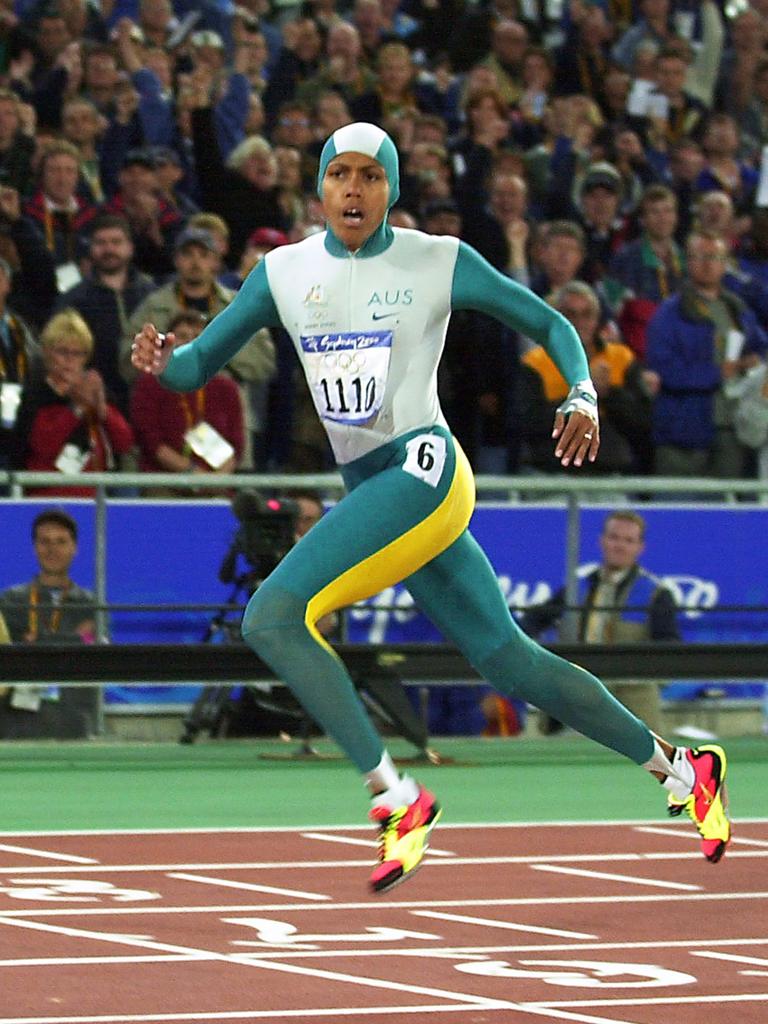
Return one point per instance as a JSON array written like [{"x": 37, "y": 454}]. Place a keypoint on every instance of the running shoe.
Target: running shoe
[
  {"x": 403, "y": 838},
  {"x": 707, "y": 804}
]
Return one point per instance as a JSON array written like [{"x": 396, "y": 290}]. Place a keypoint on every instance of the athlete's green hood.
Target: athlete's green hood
[{"x": 369, "y": 139}]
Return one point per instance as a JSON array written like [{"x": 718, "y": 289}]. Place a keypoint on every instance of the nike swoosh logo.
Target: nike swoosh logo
[{"x": 382, "y": 316}]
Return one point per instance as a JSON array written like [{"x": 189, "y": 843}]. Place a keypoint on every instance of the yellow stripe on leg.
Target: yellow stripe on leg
[{"x": 402, "y": 556}]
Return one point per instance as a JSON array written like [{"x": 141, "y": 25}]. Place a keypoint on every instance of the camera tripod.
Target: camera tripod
[{"x": 382, "y": 692}]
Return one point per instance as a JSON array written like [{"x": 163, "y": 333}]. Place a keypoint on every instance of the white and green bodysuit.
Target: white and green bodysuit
[{"x": 369, "y": 329}]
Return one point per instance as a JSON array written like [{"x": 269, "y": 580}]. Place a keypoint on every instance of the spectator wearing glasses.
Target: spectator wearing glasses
[{"x": 66, "y": 423}]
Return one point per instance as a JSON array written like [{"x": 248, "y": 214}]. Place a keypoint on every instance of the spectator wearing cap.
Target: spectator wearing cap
[
  {"x": 154, "y": 223},
  {"x": 60, "y": 213},
  {"x": 166, "y": 421},
  {"x": 107, "y": 296},
  {"x": 194, "y": 287},
  {"x": 19, "y": 356},
  {"x": 66, "y": 422},
  {"x": 598, "y": 213},
  {"x": 169, "y": 174},
  {"x": 218, "y": 229}
]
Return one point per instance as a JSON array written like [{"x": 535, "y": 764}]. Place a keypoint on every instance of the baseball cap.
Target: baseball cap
[
  {"x": 195, "y": 236},
  {"x": 601, "y": 175},
  {"x": 141, "y": 156},
  {"x": 268, "y": 237}
]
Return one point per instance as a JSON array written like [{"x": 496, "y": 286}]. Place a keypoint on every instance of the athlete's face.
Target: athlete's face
[{"x": 355, "y": 197}]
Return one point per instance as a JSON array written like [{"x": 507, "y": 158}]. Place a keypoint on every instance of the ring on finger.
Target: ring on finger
[{"x": 588, "y": 437}]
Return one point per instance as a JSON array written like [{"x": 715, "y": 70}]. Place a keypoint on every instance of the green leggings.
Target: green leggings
[{"x": 396, "y": 525}]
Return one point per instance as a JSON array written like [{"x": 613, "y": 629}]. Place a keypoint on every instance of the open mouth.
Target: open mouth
[{"x": 353, "y": 215}]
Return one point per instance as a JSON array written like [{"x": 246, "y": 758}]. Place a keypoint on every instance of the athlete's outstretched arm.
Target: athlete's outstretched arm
[
  {"x": 478, "y": 285},
  {"x": 192, "y": 365}
]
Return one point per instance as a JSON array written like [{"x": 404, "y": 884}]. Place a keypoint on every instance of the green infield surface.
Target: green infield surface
[{"x": 264, "y": 783}]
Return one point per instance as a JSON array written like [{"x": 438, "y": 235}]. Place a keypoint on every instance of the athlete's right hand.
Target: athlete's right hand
[{"x": 151, "y": 350}]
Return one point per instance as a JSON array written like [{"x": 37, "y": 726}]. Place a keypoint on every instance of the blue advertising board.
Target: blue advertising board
[{"x": 171, "y": 553}]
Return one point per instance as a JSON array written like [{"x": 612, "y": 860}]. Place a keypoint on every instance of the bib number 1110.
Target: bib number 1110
[{"x": 355, "y": 398}]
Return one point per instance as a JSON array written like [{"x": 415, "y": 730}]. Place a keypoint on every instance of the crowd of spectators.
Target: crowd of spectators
[{"x": 606, "y": 153}]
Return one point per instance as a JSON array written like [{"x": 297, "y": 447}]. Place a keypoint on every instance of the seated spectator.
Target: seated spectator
[
  {"x": 170, "y": 176},
  {"x": 18, "y": 356},
  {"x": 647, "y": 270},
  {"x": 701, "y": 341},
  {"x": 619, "y": 601},
  {"x": 60, "y": 213},
  {"x": 107, "y": 296},
  {"x": 623, "y": 388},
  {"x": 50, "y": 609},
  {"x": 65, "y": 421},
  {"x": 200, "y": 432},
  {"x": 194, "y": 287}
]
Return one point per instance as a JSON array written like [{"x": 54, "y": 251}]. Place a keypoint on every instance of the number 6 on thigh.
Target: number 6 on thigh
[{"x": 425, "y": 457}]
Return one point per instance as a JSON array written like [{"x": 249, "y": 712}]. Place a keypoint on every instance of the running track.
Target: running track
[{"x": 606, "y": 923}]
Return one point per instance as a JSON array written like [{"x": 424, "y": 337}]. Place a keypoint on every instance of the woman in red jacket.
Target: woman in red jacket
[{"x": 65, "y": 422}]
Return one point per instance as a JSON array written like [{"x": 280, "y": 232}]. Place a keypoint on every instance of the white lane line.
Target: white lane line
[
  {"x": 468, "y": 999},
  {"x": 523, "y": 901},
  {"x": 46, "y": 855},
  {"x": 351, "y": 841},
  {"x": 56, "y": 961},
  {"x": 629, "y": 879},
  {"x": 737, "y": 958},
  {"x": 341, "y": 1011},
  {"x": 450, "y": 860},
  {"x": 712, "y": 999},
  {"x": 354, "y": 826},
  {"x": 253, "y": 887},
  {"x": 693, "y": 836},
  {"x": 491, "y": 923}
]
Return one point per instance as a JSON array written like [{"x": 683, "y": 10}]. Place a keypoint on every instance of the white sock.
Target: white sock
[
  {"x": 383, "y": 776},
  {"x": 402, "y": 793},
  {"x": 679, "y": 771}
]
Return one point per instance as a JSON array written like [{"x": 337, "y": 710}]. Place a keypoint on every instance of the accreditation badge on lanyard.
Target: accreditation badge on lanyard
[{"x": 347, "y": 373}]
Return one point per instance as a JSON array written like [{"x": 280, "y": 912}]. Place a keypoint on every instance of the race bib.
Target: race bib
[
  {"x": 347, "y": 373},
  {"x": 208, "y": 444}
]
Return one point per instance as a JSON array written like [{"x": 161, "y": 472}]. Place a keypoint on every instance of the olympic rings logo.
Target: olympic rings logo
[{"x": 348, "y": 362}]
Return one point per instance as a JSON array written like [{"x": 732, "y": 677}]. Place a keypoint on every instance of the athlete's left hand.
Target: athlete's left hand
[{"x": 577, "y": 437}]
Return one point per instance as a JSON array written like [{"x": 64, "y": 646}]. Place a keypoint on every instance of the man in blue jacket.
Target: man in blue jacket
[{"x": 701, "y": 341}]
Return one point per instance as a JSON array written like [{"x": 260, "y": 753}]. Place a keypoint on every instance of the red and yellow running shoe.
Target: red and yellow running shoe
[
  {"x": 403, "y": 838},
  {"x": 707, "y": 804}
]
